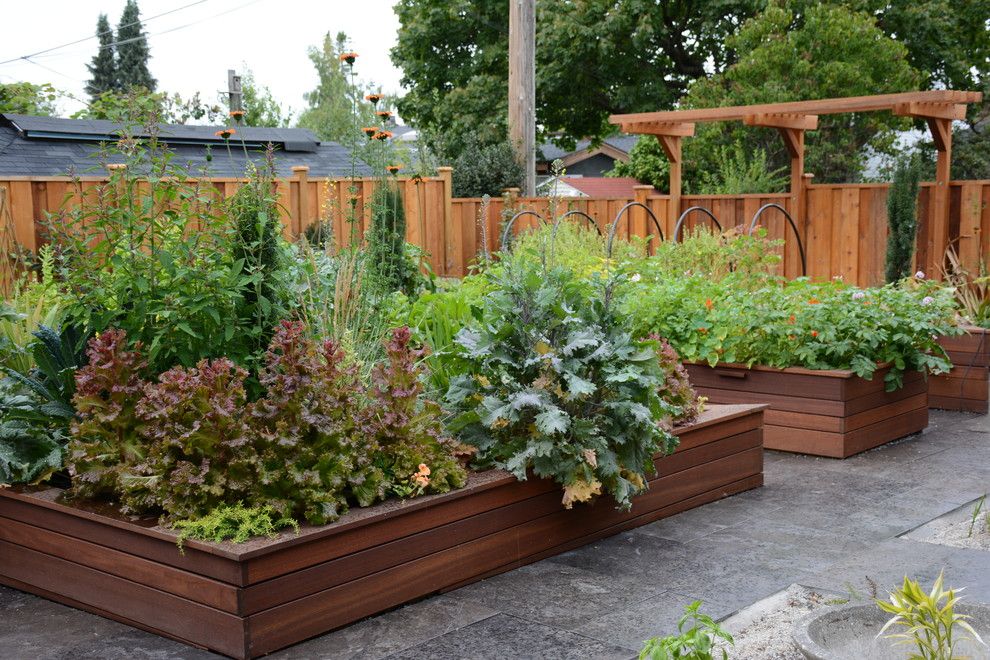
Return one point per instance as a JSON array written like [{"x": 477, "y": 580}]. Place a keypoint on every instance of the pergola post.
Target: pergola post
[
  {"x": 669, "y": 134},
  {"x": 939, "y": 117},
  {"x": 791, "y": 128},
  {"x": 672, "y": 147}
]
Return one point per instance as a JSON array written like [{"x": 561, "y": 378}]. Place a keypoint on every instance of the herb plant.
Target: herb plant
[
  {"x": 554, "y": 383},
  {"x": 694, "y": 643},
  {"x": 930, "y": 619},
  {"x": 235, "y": 523}
]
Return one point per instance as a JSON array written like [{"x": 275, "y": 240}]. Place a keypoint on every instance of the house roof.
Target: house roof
[
  {"x": 51, "y": 146},
  {"x": 603, "y": 186},
  {"x": 551, "y": 152}
]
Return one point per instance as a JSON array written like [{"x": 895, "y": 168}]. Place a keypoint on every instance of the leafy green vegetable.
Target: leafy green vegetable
[
  {"x": 555, "y": 384},
  {"x": 234, "y": 522}
]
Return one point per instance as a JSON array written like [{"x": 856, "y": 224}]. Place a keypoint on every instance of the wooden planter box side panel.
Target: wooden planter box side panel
[
  {"x": 829, "y": 413},
  {"x": 251, "y": 599},
  {"x": 964, "y": 388}
]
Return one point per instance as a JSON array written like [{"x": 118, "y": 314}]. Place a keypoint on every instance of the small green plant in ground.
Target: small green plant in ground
[
  {"x": 930, "y": 619},
  {"x": 234, "y": 522},
  {"x": 696, "y": 642},
  {"x": 976, "y": 516}
]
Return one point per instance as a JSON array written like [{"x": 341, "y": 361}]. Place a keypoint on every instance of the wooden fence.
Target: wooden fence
[{"x": 843, "y": 230}]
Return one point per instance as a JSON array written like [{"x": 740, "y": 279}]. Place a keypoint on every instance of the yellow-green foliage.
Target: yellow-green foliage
[
  {"x": 34, "y": 302},
  {"x": 235, "y": 522},
  {"x": 576, "y": 247},
  {"x": 930, "y": 619}
]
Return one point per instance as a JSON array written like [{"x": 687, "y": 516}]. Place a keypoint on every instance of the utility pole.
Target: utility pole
[
  {"x": 522, "y": 88},
  {"x": 234, "y": 95}
]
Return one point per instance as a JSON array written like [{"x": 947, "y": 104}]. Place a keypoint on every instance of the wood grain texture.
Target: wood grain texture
[
  {"x": 373, "y": 560},
  {"x": 836, "y": 414}
]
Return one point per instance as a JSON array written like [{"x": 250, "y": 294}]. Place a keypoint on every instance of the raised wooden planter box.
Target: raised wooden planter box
[
  {"x": 966, "y": 386},
  {"x": 254, "y": 598},
  {"x": 830, "y": 413}
]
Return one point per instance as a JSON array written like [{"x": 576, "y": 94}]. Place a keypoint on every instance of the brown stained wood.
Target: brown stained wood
[
  {"x": 191, "y": 586},
  {"x": 844, "y": 445},
  {"x": 967, "y": 385},
  {"x": 955, "y": 403},
  {"x": 720, "y": 454},
  {"x": 826, "y": 385},
  {"x": 329, "y": 574},
  {"x": 748, "y": 483},
  {"x": 277, "y": 627},
  {"x": 116, "y": 534},
  {"x": 171, "y": 614}
]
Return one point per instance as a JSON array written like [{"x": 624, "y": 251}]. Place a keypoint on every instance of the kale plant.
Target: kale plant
[{"x": 556, "y": 384}]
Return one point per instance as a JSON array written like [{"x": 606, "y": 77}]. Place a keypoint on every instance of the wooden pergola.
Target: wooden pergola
[{"x": 939, "y": 108}]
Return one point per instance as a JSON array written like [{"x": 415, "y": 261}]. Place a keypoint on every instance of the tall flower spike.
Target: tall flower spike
[{"x": 348, "y": 57}]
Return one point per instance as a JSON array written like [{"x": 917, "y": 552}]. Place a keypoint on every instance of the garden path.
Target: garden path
[{"x": 819, "y": 522}]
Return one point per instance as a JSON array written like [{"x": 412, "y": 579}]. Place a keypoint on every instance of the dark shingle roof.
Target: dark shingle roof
[
  {"x": 551, "y": 152},
  {"x": 50, "y": 146}
]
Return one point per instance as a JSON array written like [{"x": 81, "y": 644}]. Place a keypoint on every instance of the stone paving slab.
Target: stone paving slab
[{"x": 819, "y": 522}]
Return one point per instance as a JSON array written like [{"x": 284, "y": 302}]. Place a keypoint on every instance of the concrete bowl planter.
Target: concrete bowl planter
[{"x": 850, "y": 631}]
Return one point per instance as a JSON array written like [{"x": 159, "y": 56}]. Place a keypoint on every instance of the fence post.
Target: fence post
[
  {"x": 451, "y": 238},
  {"x": 301, "y": 173},
  {"x": 641, "y": 225}
]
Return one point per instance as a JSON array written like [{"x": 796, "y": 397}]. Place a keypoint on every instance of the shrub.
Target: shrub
[
  {"x": 676, "y": 388},
  {"x": 150, "y": 253},
  {"x": 902, "y": 218},
  {"x": 737, "y": 174},
  {"x": 749, "y": 260},
  {"x": 555, "y": 384},
  {"x": 486, "y": 170},
  {"x": 258, "y": 245}
]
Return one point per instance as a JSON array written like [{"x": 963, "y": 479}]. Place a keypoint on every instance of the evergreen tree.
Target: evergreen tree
[
  {"x": 104, "y": 66},
  {"x": 902, "y": 218},
  {"x": 132, "y": 50},
  {"x": 387, "y": 240}
]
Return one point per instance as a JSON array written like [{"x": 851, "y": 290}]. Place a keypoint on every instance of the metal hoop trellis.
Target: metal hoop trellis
[
  {"x": 790, "y": 220},
  {"x": 702, "y": 209},
  {"x": 508, "y": 226},
  {"x": 618, "y": 217}
]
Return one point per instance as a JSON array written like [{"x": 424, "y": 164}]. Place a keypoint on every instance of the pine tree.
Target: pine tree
[
  {"x": 104, "y": 66},
  {"x": 132, "y": 50},
  {"x": 902, "y": 218}
]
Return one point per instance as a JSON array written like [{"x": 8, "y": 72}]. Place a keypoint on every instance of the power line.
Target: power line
[{"x": 100, "y": 34}]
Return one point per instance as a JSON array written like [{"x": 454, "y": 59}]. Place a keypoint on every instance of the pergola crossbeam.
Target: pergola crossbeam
[{"x": 938, "y": 107}]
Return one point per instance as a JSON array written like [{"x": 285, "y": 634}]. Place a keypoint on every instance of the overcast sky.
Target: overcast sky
[{"x": 192, "y": 48}]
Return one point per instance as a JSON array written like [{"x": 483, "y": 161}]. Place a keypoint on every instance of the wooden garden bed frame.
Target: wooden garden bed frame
[
  {"x": 966, "y": 386},
  {"x": 832, "y": 413},
  {"x": 254, "y": 598}
]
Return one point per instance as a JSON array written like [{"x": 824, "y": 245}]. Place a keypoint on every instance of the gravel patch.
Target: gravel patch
[
  {"x": 763, "y": 629},
  {"x": 957, "y": 533}
]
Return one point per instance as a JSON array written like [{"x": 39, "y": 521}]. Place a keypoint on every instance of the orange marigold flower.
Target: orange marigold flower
[
  {"x": 814, "y": 333},
  {"x": 393, "y": 169},
  {"x": 709, "y": 304},
  {"x": 382, "y": 135},
  {"x": 348, "y": 57},
  {"x": 384, "y": 114},
  {"x": 225, "y": 133},
  {"x": 703, "y": 331},
  {"x": 792, "y": 320},
  {"x": 814, "y": 301},
  {"x": 236, "y": 114},
  {"x": 369, "y": 131},
  {"x": 374, "y": 98}
]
